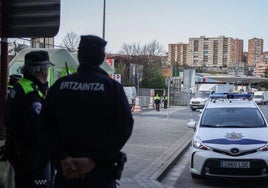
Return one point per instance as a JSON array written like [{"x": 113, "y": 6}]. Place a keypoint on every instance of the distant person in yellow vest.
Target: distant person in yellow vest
[
  {"x": 165, "y": 100},
  {"x": 157, "y": 102}
]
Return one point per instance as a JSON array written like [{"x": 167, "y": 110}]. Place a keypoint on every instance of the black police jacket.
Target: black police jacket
[
  {"x": 86, "y": 114},
  {"x": 21, "y": 112}
]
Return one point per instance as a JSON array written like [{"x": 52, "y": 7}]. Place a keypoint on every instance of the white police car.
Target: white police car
[{"x": 230, "y": 139}]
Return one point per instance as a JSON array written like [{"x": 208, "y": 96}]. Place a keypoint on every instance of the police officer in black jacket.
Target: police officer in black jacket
[
  {"x": 86, "y": 121},
  {"x": 23, "y": 107}
]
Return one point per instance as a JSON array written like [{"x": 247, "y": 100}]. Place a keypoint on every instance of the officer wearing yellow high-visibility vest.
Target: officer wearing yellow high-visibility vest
[
  {"x": 157, "y": 102},
  {"x": 22, "y": 110}
]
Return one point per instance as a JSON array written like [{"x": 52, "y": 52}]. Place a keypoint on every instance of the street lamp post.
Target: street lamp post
[{"x": 103, "y": 27}]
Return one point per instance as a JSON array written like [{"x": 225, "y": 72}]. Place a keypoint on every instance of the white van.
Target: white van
[
  {"x": 64, "y": 63},
  {"x": 61, "y": 58}
]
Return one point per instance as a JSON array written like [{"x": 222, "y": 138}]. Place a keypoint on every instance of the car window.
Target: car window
[
  {"x": 202, "y": 94},
  {"x": 232, "y": 117}
]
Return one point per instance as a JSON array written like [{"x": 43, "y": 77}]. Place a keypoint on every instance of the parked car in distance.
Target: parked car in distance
[
  {"x": 230, "y": 139},
  {"x": 202, "y": 95},
  {"x": 260, "y": 97},
  {"x": 199, "y": 100}
]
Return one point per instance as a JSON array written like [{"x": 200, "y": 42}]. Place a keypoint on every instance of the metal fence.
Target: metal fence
[
  {"x": 176, "y": 98},
  {"x": 180, "y": 99}
]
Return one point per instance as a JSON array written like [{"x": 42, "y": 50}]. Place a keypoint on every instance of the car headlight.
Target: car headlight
[
  {"x": 264, "y": 148},
  {"x": 197, "y": 143}
]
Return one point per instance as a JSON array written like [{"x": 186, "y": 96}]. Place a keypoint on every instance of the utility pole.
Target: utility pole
[{"x": 103, "y": 27}]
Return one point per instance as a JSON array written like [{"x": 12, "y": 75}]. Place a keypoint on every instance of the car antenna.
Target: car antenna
[{"x": 67, "y": 70}]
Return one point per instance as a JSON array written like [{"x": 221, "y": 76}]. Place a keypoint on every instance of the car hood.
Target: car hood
[
  {"x": 228, "y": 137},
  {"x": 198, "y": 99}
]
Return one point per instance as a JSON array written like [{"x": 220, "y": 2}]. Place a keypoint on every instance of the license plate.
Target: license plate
[{"x": 235, "y": 164}]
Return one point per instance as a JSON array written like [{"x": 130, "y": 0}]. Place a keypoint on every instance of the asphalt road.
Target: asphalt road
[{"x": 180, "y": 177}]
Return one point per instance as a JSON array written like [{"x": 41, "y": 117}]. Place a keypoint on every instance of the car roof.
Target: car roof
[{"x": 231, "y": 100}]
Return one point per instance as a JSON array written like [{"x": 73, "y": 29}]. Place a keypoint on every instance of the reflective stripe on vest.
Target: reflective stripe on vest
[{"x": 28, "y": 86}]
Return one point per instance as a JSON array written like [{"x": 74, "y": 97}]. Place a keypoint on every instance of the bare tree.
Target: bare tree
[
  {"x": 133, "y": 49},
  {"x": 71, "y": 41},
  {"x": 149, "y": 57},
  {"x": 151, "y": 49}
]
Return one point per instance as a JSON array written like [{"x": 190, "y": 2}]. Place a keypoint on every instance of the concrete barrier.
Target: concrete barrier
[
  {"x": 151, "y": 103},
  {"x": 137, "y": 107}
]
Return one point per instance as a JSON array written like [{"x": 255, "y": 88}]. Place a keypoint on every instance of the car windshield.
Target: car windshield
[
  {"x": 257, "y": 97},
  {"x": 202, "y": 94},
  {"x": 232, "y": 118}
]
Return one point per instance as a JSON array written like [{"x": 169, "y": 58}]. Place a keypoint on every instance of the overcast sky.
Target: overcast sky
[{"x": 166, "y": 21}]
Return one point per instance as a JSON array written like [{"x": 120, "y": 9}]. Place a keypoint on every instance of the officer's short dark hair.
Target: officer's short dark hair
[{"x": 91, "y": 49}]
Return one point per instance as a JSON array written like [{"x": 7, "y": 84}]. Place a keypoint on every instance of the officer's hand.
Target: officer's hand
[
  {"x": 68, "y": 167},
  {"x": 83, "y": 165}
]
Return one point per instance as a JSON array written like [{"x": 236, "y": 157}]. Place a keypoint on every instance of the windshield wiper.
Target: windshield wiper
[
  {"x": 237, "y": 126},
  {"x": 207, "y": 125}
]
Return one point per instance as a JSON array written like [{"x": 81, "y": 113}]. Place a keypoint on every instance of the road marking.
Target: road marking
[{"x": 172, "y": 176}]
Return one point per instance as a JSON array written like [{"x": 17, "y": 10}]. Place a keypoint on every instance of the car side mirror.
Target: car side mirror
[{"x": 191, "y": 124}]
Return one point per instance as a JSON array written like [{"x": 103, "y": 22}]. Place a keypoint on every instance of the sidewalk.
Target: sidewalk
[{"x": 153, "y": 147}]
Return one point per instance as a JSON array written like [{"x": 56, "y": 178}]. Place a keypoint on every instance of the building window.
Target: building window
[
  {"x": 205, "y": 59},
  {"x": 205, "y": 46},
  {"x": 196, "y": 45},
  {"x": 41, "y": 45}
]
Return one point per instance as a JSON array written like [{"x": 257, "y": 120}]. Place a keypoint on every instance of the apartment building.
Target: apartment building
[
  {"x": 238, "y": 69},
  {"x": 177, "y": 54},
  {"x": 245, "y": 57},
  {"x": 261, "y": 66},
  {"x": 221, "y": 52},
  {"x": 255, "y": 51},
  {"x": 211, "y": 52},
  {"x": 238, "y": 50}
]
